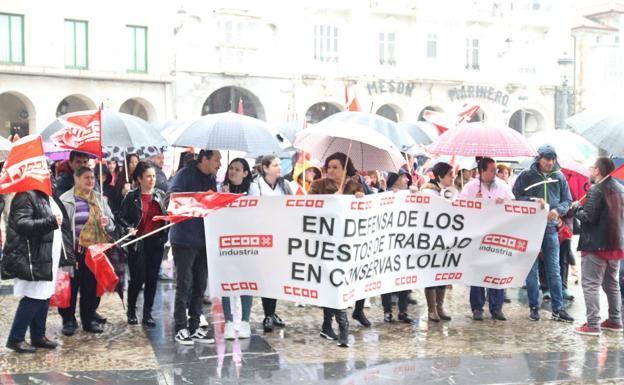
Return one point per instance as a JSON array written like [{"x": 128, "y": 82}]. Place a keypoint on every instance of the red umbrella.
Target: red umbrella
[{"x": 482, "y": 139}]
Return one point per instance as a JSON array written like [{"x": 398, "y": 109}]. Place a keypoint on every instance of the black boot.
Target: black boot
[
  {"x": 132, "y": 318},
  {"x": 147, "y": 319},
  {"x": 343, "y": 324},
  {"x": 326, "y": 328},
  {"x": 268, "y": 324}
]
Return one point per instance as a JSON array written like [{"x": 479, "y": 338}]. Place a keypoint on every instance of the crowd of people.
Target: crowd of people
[{"x": 47, "y": 235}]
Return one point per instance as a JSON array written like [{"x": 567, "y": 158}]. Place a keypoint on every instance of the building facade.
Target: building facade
[
  {"x": 285, "y": 61},
  {"x": 57, "y": 59}
]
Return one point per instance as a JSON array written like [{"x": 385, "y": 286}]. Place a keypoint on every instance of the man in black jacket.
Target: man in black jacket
[
  {"x": 601, "y": 243},
  {"x": 65, "y": 181}
]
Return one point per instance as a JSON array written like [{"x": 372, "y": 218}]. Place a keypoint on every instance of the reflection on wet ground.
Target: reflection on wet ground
[{"x": 461, "y": 351}]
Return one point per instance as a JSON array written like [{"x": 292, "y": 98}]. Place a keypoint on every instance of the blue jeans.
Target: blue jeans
[
  {"x": 246, "y": 302},
  {"x": 31, "y": 313},
  {"x": 496, "y": 297},
  {"x": 550, "y": 253}
]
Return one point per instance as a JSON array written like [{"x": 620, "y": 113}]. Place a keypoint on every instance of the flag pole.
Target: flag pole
[
  {"x": 344, "y": 171},
  {"x": 101, "y": 160},
  {"x": 148, "y": 234}
]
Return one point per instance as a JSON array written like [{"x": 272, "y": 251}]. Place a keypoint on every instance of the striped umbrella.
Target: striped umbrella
[{"x": 482, "y": 139}]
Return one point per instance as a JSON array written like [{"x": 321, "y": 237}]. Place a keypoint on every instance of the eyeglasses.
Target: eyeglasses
[{"x": 592, "y": 167}]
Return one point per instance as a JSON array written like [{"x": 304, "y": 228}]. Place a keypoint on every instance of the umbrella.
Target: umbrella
[
  {"x": 230, "y": 131},
  {"x": 386, "y": 127},
  {"x": 5, "y": 148},
  {"x": 118, "y": 129},
  {"x": 568, "y": 144},
  {"x": 421, "y": 132},
  {"x": 289, "y": 130},
  {"x": 574, "y": 166},
  {"x": 604, "y": 129},
  {"x": 482, "y": 139},
  {"x": 368, "y": 149}
]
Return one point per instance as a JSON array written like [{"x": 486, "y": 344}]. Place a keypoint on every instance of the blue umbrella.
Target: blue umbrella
[
  {"x": 397, "y": 135},
  {"x": 603, "y": 129}
]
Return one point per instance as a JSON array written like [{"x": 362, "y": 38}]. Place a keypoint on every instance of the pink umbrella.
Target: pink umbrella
[{"x": 482, "y": 139}]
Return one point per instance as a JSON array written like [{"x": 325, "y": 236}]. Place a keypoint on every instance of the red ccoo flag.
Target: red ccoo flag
[
  {"x": 618, "y": 172},
  {"x": 26, "y": 167},
  {"x": 99, "y": 264},
  {"x": 351, "y": 104},
  {"x": 80, "y": 132},
  {"x": 187, "y": 205}
]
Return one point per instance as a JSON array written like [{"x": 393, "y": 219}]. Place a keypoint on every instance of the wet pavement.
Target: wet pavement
[{"x": 461, "y": 351}]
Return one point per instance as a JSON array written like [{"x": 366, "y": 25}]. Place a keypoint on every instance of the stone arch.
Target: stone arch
[
  {"x": 390, "y": 111},
  {"x": 319, "y": 111},
  {"x": 139, "y": 107},
  {"x": 73, "y": 103},
  {"x": 17, "y": 114},
  {"x": 527, "y": 121},
  {"x": 228, "y": 99}
]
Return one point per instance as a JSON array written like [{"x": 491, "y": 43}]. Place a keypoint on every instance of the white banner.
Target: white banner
[{"x": 331, "y": 250}]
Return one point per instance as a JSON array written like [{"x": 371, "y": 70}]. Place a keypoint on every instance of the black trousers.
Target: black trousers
[
  {"x": 386, "y": 301},
  {"x": 191, "y": 280},
  {"x": 269, "y": 305},
  {"x": 31, "y": 313},
  {"x": 144, "y": 264},
  {"x": 83, "y": 282}
]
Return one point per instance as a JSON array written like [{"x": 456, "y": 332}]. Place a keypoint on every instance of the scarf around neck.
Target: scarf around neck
[{"x": 92, "y": 233}]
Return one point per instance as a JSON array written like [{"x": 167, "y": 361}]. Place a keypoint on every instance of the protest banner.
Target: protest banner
[{"x": 332, "y": 250}]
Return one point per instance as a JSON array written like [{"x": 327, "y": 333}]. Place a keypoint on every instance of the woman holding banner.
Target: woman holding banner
[
  {"x": 36, "y": 230},
  {"x": 398, "y": 181},
  {"x": 91, "y": 223},
  {"x": 441, "y": 183},
  {"x": 136, "y": 215},
  {"x": 270, "y": 183},
  {"x": 340, "y": 179},
  {"x": 237, "y": 180}
]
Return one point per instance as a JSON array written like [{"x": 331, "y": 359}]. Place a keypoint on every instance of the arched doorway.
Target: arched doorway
[
  {"x": 139, "y": 107},
  {"x": 229, "y": 98},
  {"x": 428, "y": 108},
  {"x": 320, "y": 111},
  {"x": 527, "y": 121},
  {"x": 389, "y": 111},
  {"x": 479, "y": 116},
  {"x": 17, "y": 114},
  {"x": 73, "y": 103}
]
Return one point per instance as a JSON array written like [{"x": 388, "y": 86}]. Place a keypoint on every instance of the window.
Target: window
[
  {"x": 326, "y": 43},
  {"x": 432, "y": 46},
  {"x": 137, "y": 36},
  {"x": 387, "y": 48},
  {"x": 472, "y": 54},
  {"x": 76, "y": 44},
  {"x": 11, "y": 38}
]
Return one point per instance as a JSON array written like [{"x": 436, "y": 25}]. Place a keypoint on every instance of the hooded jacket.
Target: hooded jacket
[
  {"x": 29, "y": 238},
  {"x": 556, "y": 194}
]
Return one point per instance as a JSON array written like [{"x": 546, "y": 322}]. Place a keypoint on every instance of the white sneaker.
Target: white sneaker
[
  {"x": 229, "y": 332},
  {"x": 202, "y": 337},
  {"x": 183, "y": 337},
  {"x": 245, "y": 330},
  {"x": 203, "y": 322}
]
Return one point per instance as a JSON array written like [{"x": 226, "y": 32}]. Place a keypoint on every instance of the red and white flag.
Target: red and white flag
[
  {"x": 80, "y": 132},
  {"x": 187, "y": 205},
  {"x": 26, "y": 168}
]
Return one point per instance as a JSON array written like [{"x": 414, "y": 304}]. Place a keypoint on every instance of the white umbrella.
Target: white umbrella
[
  {"x": 231, "y": 131},
  {"x": 5, "y": 148},
  {"x": 391, "y": 130},
  {"x": 368, "y": 149},
  {"x": 568, "y": 144}
]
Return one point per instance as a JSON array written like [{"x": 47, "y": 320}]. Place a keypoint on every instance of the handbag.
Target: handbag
[{"x": 62, "y": 291}]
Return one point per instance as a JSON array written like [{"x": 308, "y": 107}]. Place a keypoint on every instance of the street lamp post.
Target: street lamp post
[{"x": 564, "y": 94}]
